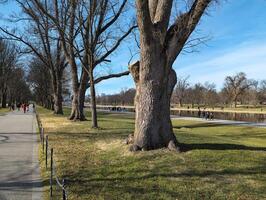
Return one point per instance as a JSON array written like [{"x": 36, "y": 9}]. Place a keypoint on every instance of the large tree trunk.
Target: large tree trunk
[
  {"x": 58, "y": 99},
  {"x": 57, "y": 92},
  {"x": 4, "y": 97},
  {"x": 94, "y": 122},
  {"x": 75, "y": 108},
  {"x": 160, "y": 45},
  {"x": 153, "y": 126},
  {"x": 77, "y": 112}
]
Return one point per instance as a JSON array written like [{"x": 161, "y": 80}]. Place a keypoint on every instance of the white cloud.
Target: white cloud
[{"x": 247, "y": 57}]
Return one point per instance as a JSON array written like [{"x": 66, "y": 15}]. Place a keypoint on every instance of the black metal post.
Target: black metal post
[
  {"x": 40, "y": 130},
  {"x": 51, "y": 177},
  {"x": 43, "y": 140},
  {"x": 46, "y": 150},
  {"x": 64, "y": 191}
]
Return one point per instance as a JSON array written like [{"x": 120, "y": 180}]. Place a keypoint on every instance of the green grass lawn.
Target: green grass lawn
[
  {"x": 217, "y": 162},
  {"x": 239, "y": 109}
]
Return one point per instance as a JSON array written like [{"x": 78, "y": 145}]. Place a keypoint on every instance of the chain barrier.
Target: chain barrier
[{"x": 59, "y": 185}]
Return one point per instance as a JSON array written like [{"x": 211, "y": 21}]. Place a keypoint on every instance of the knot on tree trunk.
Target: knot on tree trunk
[
  {"x": 129, "y": 139},
  {"x": 134, "y": 70},
  {"x": 172, "y": 146}
]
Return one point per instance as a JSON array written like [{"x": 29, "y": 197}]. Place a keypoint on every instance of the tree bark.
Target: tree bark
[
  {"x": 79, "y": 90},
  {"x": 160, "y": 45},
  {"x": 58, "y": 99},
  {"x": 4, "y": 97},
  {"x": 56, "y": 79},
  {"x": 94, "y": 122},
  {"x": 153, "y": 126}
]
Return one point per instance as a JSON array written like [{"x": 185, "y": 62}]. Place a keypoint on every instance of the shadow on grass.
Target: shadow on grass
[
  {"x": 218, "y": 146},
  {"x": 153, "y": 181},
  {"x": 202, "y": 125},
  {"x": 94, "y": 135}
]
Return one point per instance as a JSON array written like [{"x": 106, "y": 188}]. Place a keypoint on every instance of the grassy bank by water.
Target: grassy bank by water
[
  {"x": 217, "y": 162},
  {"x": 239, "y": 109}
]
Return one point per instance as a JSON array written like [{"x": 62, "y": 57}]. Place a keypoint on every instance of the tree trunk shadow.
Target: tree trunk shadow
[{"x": 217, "y": 146}]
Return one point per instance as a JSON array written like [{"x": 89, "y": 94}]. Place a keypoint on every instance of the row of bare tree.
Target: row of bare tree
[
  {"x": 83, "y": 34},
  {"x": 125, "y": 97},
  {"x": 237, "y": 89},
  {"x": 80, "y": 35},
  {"x": 13, "y": 86}
]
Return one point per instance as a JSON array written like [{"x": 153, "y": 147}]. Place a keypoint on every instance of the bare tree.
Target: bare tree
[
  {"x": 180, "y": 90},
  {"x": 237, "y": 85},
  {"x": 210, "y": 95},
  {"x": 37, "y": 77},
  {"x": 40, "y": 40},
  {"x": 262, "y": 92},
  {"x": 8, "y": 61},
  {"x": 18, "y": 88},
  {"x": 89, "y": 33},
  {"x": 154, "y": 77}
]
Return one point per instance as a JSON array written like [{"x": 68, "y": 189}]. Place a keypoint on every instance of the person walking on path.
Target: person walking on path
[{"x": 24, "y": 107}]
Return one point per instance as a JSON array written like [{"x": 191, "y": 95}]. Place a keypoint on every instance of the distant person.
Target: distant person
[
  {"x": 211, "y": 115},
  {"x": 24, "y": 107},
  {"x": 207, "y": 115},
  {"x": 204, "y": 113},
  {"x": 199, "y": 112},
  {"x": 33, "y": 107},
  {"x": 28, "y": 107}
]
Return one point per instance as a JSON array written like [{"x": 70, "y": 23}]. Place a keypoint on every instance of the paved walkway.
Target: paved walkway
[{"x": 19, "y": 166}]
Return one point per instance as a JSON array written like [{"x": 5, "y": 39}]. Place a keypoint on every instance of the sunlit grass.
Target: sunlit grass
[{"x": 217, "y": 162}]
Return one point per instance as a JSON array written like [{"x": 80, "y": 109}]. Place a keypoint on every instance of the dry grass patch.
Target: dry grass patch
[{"x": 219, "y": 162}]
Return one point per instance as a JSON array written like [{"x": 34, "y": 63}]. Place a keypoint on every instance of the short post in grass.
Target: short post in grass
[
  {"x": 64, "y": 190},
  {"x": 46, "y": 151},
  {"x": 40, "y": 130},
  {"x": 40, "y": 126},
  {"x": 51, "y": 176},
  {"x": 43, "y": 140}
]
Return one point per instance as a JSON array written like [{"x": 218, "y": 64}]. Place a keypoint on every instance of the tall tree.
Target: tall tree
[
  {"x": 262, "y": 92},
  {"x": 8, "y": 61},
  {"x": 90, "y": 35},
  {"x": 180, "y": 90},
  {"x": 37, "y": 77},
  {"x": 237, "y": 85},
  {"x": 160, "y": 45},
  {"x": 40, "y": 40},
  {"x": 18, "y": 88}
]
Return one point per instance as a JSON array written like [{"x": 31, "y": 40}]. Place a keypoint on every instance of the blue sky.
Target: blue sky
[{"x": 237, "y": 29}]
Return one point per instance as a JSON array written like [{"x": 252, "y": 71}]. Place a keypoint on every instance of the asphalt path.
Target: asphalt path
[{"x": 19, "y": 166}]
